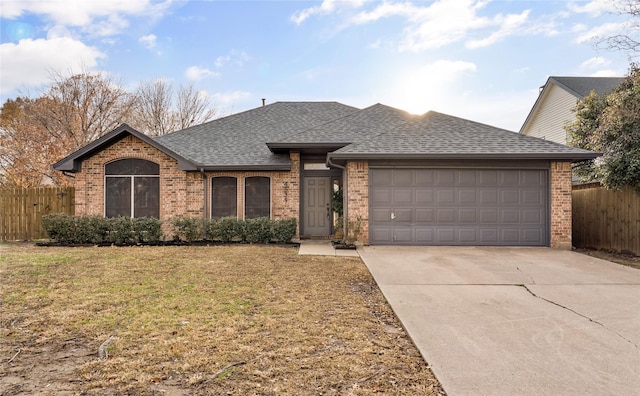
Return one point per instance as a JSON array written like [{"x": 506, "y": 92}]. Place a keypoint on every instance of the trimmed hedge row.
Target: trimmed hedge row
[{"x": 67, "y": 229}]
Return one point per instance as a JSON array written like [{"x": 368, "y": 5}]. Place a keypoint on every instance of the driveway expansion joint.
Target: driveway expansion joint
[{"x": 581, "y": 315}]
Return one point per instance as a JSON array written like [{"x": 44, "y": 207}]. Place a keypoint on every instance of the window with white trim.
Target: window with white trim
[
  {"x": 132, "y": 188},
  {"x": 257, "y": 197}
]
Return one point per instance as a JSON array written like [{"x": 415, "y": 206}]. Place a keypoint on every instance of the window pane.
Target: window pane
[
  {"x": 224, "y": 197},
  {"x": 118, "y": 196},
  {"x": 147, "y": 197},
  {"x": 132, "y": 166},
  {"x": 257, "y": 197}
]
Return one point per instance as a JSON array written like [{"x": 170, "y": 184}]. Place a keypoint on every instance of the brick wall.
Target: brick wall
[
  {"x": 357, "y": 184},
  {"x": 181, "y": 193},
  {"x": 561, "y": 205}
]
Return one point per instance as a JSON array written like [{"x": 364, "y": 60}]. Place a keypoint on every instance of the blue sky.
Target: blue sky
[{"x": 478, "y": 59}]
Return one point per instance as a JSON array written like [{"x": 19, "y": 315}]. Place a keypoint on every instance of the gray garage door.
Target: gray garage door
[{"x": 458, "y": 206}]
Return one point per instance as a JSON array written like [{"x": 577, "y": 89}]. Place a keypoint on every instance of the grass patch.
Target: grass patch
[{"x": 199, "y": 320}]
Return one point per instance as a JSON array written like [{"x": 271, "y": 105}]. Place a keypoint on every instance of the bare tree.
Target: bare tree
[
  {"x": 629, "y": 41},
  {"x": 193, "y": 107},
  {"x": 152, "y": 111},
  {"x": 91, "y": 104},
  {"x": 159, "y": 110}
]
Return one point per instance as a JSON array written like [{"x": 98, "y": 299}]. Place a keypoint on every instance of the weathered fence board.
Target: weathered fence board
[
  {"x": 21, "y": 210},
  {"x": 607, "y": 219}
]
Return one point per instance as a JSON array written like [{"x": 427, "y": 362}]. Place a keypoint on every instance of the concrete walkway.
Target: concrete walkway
[
  {"x": 314, "y": 247},
  {"x": 516, "y": 321}
]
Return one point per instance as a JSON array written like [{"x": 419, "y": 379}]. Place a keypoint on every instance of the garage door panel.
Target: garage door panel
[
  {"x": 403, "y": 215},
  {"x": 466, "y": 196},
  {"x": 425, "y": 215},
  {"x": 402, "y": 197},
  {"x": 424, "y": 197},
  {"x": 445, "y": 215},
  {"x": 532, "y": 197},
  {"x": 467, "y": 216},
  {"x": 459, "y": 206},
  {"x": 467, "y": 235},
  {"x": 445, "y": 196},
  {"x": 381, "y": 215},
  {"x": 382, "y": 196},
  {"x": 425, "y": 234},
  {"x": 531, "y": 216},
  {"x": 446, "y": 236},
  {"x": 381, "y": 235}
]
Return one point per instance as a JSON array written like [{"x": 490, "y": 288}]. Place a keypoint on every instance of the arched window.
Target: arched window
[
  {"x": 132, "y": 188},
  {"x": 224, "y": 197},
  {"x": 257, "y": 197}
]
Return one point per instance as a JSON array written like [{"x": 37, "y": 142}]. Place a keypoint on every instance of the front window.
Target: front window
[
  {"x": 224, "y": 201},
  {"x": 132, "y": 188},
  {"x": 257, "y": 197}
]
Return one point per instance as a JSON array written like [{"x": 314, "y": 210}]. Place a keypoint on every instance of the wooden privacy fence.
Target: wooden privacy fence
[
  {"x": 607, "y": 219},
  {"x": 21, "y": 210}
]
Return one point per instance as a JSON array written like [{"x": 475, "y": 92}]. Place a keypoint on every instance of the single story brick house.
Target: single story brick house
[{"x": 432, "y": 179}]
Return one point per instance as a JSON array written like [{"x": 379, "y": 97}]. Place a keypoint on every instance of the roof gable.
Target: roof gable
[
  {"x": 72, "y": 162},
  {"x": 579, "y": 87}
]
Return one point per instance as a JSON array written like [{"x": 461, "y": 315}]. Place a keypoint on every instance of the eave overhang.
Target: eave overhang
[
  {"x": 573, "y": 157},
  {"x": 73, "y": 162},
  {"x": 283, "y": 148}
]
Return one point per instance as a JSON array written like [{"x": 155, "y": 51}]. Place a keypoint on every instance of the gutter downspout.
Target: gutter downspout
[
  {"x": 345, "y": 193},
  {"x": 204, "y": 203}
]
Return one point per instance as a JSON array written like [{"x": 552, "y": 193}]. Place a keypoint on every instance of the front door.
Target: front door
[{"x": 317, "y": 206}]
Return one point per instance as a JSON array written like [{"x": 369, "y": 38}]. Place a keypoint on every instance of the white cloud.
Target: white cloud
[
  {"x": 235, "y": 57},
  {"x": 601, "y": 31},
  {"x": 97, "y": 17},
  {"x": 149, "y": 40},
  {"x": 230, "y": 98},
  {"x": 58, "y": 31},
  {"x": 508, "y": 26},
  {"x": 595, "y": 62},
  {"x": 327, "y": 7},
  {"x": 31, "y": 62},
  {"x": 594, "y": 8},
  {"x": 439, "y": 23},
  {"x": 197, "y": 73}
]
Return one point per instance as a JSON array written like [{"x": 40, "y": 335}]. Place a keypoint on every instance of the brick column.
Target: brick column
[
  {"x": 561, "y": 205},
  {"x": 358, "y": 196}
]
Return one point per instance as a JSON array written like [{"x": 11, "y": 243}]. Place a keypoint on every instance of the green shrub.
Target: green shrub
[
  {"x": 60, "y": 227},
  {"x": 187, "y": 228},
  {"x": 283, "y": 230},
  {"x": 120, "y": 231},
  {"x": 212, "y": 230},
  {"x": 229, "y": 229},
  {"x": 90, "y": 229},
  {"x": 147, "y": 229},
  {"x": 257, "y": 230}
]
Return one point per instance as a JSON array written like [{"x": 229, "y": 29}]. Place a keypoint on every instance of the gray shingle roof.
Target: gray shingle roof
[
  {"x": 353, "y": 127},
  {"x": 437, "y": 135},
  {"x": 238, "y": 141},
  {"x": 582, "y": 86}
]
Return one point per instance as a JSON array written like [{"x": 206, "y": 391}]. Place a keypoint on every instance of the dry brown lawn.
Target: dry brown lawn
[{"x": 230, "y": 320}]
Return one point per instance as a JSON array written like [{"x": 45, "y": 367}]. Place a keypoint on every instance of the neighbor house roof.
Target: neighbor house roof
[
  {"x": 440, "y": 136},
  {"x": 580, "y": 87}
]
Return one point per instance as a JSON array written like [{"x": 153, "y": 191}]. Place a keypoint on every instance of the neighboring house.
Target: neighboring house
[
  {"x": 433, "y": 179},
  {"x": 557, "y": 100}
]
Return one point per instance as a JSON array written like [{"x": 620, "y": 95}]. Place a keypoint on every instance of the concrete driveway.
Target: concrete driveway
[{"x": 516, "y": 321}]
